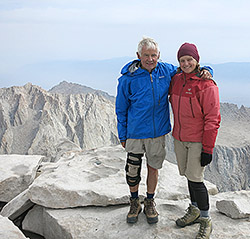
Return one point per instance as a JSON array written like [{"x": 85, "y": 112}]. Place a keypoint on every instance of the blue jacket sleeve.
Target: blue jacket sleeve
[
  {"x": 172, "y": 69},
  {"x": 122, "y": 105},
  {"x": 209, "y": 69}
]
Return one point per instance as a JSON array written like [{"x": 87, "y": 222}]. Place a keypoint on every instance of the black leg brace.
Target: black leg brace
[{"x": 133, "y": 169}]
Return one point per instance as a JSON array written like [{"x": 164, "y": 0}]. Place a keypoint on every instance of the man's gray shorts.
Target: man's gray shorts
[{"x": 154, "y": 149}]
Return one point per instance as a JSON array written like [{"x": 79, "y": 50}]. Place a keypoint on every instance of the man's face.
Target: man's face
[{"x": 149, "y": 58}]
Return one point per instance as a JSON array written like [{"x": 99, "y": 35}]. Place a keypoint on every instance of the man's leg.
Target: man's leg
[
  {"x": 133, "y": 176},
  {"x": 155, "y": 154},
  {"x": 149, "y": 204},
  {"x": 134, "y": 189},
  {"x": 152, "y": 179}
]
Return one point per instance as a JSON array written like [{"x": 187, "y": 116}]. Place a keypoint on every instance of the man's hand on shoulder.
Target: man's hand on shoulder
[{"x": 205, "y": 74}]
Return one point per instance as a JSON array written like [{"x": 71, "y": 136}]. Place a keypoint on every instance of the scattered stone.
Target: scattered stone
[{"x": 235, "y": 205}]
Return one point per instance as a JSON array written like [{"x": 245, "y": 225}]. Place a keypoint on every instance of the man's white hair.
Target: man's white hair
[{"x": 149, "y": 43}]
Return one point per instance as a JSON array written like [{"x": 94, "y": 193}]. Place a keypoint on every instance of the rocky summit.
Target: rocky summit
[
  {"x": 84, "y": 195},
  {"x": 62, "y": 170}
]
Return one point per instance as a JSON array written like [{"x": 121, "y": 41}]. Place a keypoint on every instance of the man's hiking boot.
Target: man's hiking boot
[
  {"x": 135, "y": 209},
  {"x": 191, "y": 216},
  {"x": 205, "y": 228},
  {"x": 150, "y": 211}
]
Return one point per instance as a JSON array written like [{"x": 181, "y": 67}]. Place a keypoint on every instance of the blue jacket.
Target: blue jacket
[{"x": 142, "y": 106}]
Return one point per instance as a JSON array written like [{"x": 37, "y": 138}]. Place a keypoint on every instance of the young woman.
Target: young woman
[{"x": 196, "y": 108}]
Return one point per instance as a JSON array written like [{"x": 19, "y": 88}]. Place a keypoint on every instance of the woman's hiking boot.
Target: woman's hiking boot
[
  {"x": 150, "y": 211},
  {"x": 192, "y": 215},
  {"x": 205, "y": 228},
  {"x": 135, "y": 209}
]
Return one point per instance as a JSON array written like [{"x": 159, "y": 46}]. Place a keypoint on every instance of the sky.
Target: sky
[{"x": 47, "y": 30}]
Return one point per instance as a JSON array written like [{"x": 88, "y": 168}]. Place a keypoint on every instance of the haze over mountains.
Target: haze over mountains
[{"x": 232, "y": 78}]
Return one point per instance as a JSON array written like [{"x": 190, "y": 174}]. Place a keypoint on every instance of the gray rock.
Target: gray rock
[
  {"x": 235, "y": 205},
  {"x": 17, "y": 206},
  {"x": 110, "y": 223},
  {"x": 93, "y": 181},
  {"x": 97, "y": 177},
  {"x": 8, "y": 230},
  {"x": 17, "y": 173},
  {"x": 36, "y": 222}
]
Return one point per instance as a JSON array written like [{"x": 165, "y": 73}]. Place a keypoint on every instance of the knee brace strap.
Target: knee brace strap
[{"x": 133, "y": 169}]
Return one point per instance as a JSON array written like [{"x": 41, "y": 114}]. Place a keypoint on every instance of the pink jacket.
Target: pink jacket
[{"x": 196, "y": 108}]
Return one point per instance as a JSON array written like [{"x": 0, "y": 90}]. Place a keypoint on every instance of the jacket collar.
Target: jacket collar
[
  {"x": 193, "y": 76},
  {"x": 134, "y": 68}
]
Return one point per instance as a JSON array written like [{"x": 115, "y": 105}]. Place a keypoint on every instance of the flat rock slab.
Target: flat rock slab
[
  {"x": 97, "y": 178},
  {"x": 17, "y": 173},
  {"x": 8, "y": 230},
  {"x": 110, "y": 223}
]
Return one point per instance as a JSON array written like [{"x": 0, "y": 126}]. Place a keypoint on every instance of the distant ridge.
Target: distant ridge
[
  {"x": 233, "y": 78},
  {"x": 68, "y": 88},
  {"x": 35, "y": 121}
]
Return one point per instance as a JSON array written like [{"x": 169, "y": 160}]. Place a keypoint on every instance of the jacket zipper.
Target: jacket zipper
[
  {"x": 151, "y": 79},
  {"x": 190, "y": 101},
  {"x": 159, "y": 100},
  {"x": 180, "y": 105}
]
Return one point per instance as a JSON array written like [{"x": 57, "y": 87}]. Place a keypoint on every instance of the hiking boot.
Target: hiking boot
[
  {"x": 205, "y": 228},
  {"x": 150, "y": 211},
  {"x": 135, "y": 209},
  {"x": 192, "y": 215}
]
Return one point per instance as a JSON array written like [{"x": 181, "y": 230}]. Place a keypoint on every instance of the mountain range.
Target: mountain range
[
  {"x": 233, "y": 78},
  {"x": 36, "y": 121},
  {"x": 60, "y": 153}
]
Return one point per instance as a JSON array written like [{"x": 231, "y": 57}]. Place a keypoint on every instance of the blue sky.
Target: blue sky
[{"x": 46, "y": 30}]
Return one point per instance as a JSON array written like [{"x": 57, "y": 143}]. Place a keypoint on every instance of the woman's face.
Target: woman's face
[{"x": 188, "y": 64}]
